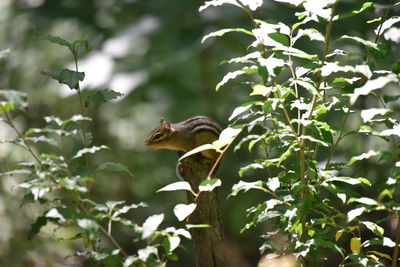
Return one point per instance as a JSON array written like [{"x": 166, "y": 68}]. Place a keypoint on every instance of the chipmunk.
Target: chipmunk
[{"x": 186, "y": 135}]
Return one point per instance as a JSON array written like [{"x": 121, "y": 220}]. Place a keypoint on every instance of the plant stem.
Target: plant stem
[
  {"x": 396, "y": 248},
  {"x": 71, "y": 194}
]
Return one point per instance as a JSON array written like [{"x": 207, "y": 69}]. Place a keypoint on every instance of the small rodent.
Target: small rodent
[{"x": 186, "y": 135}]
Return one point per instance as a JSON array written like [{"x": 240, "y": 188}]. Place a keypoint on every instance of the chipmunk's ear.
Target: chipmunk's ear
[
  {"x": 162, "y": 121},
  {"x": 168, "y": 127}
]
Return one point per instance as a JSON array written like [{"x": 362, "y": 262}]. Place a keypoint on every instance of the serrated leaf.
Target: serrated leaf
[
  {"x": 197, "y": 150},
  {"x": 222, "y": 32},
  {"x": 100, "y": 97},
  {"x": 372, "y": 85},
  {"x": 113, "y": 167},
  {"x": 232, "y": 75},
  {"x": 151, "y": 225},
  {"x": 90, "y": 150},
  {"x": 209, "y": 184},
  {"x": 66, "y": 76},
  {"x": 55, "y": 40},
  {"x": 368, "y": 114},
  {"x": 182, "y": 211},
  {"x": 176, "y": 186},
  {"x": 355, "y": 245},
  {"x": 311, "y": 33},
  {"x": 334, "y": 67},
  {"x": 245, "y": 186}
]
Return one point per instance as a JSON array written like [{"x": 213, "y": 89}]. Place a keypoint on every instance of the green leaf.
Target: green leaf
[
  {"x": 151, "y": 224},
  {"x": 145, "y": 253},
  {"x": 285, "y": 155},
  {"x": 368, "y": 114},
  {"x": 396, "y": 67},
  {"x": 218, "y": 3},
  {"x": 355, "y": 213},
  {"x": 222, "y": 32},
  {"x": 90, "y": 150},
  {"x": 361, "y": 41},
  {"x": 55, "y": 40},
  {"x": 6, "y": 107},
  {"x": 348, "y": 14},
  {"x": 251, "y": 166},
  {"x": 260, "y": 89},
  {"x": 273, "y": 183},
  {"x": 280, "y": 38},
  {"x": 376, "y": 229},
  {"x": 245, "y": 186},
  {"x": 209, "y": 184},
  {"x": 311, "y": 33},
  {"x": 177, "y": 186},
  {"x": 80, "y": 48},
  {"x": 113, "y": 167},
  {"x": 35, "y": 228},
  {"x": 66, "y": 76},
  {"x": 19, "y": 99},
  {"x": 372, "y": 85},
  {"x": 367, "y": 155},
  {"x": 234, "y": 74},
  {"x": 182, "y": 211},
  {"x": 348, "y": 180},
  {"x": 387, "y": 24},
  {"x": 100, "y": 97},
  {"x": 91, "y": 227}
]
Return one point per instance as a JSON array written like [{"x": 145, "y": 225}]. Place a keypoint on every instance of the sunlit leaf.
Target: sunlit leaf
[
  {"x": 369, "y": 114},
  {"x": 361, "y": 41},
  {"x": 376, "y": 229},
  {"x": 355, "y": 245},
  {"x": 90, "y": 150},
  {"x": 222, "y": 32},
  {"x": 387, "y": 24},
  {"x": 372, "y": 85},
  {"x": 151, "y": 225},
  {"x": 245, "y": 186},
  {"x": 218, "y": 3},
  {"x": 367, "y": 155},
  {"x": 176, "y": 186},
  {"x": 355, "y": 213},
  {"x": 338, "y": 234},
  {"x": 182, "y": 211},
  {"x": 145, "y": 253},
  {"x": 273, "y": 183},
  {"x": 209, "y": 184},
  {"x": 234, "y": 74}
]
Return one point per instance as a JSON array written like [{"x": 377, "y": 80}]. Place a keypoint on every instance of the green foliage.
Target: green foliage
[
  {"x": 60, "y": 180},
  {"x": 312, "y": 199}
]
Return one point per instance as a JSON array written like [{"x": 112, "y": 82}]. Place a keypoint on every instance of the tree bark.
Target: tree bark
[{"x": 207, "y": 241}]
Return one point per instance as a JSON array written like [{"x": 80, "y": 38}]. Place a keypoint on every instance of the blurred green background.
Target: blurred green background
[{"x": 151, "y": 51}]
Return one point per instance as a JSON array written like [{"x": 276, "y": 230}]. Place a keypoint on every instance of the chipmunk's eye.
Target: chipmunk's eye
[{"x": 158, "y": 136}]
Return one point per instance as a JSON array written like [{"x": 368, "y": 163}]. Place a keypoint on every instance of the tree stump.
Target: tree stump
[{"x": 208, "y": 242}]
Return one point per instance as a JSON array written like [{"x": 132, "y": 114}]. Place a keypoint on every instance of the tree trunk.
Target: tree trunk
[{"x": 207, "y": 241}]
